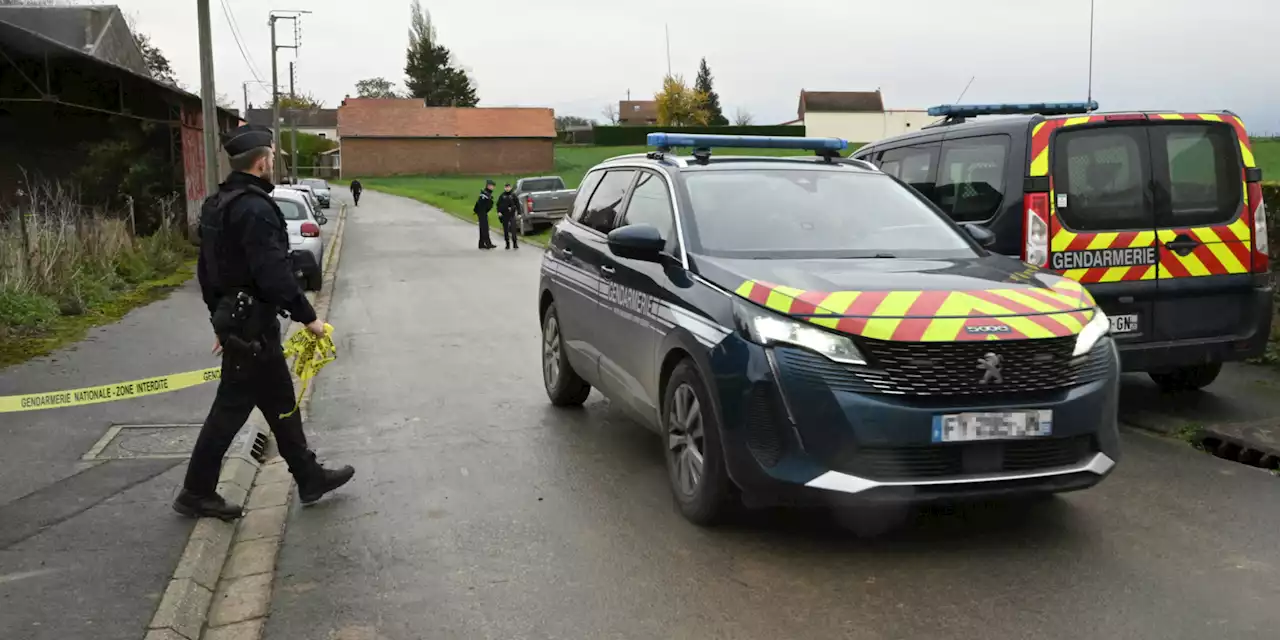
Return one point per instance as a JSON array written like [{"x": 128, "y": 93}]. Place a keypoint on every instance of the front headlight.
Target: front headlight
[
  {"x": 766, "y": 328},
  {"x": 1089, "y": 336}
]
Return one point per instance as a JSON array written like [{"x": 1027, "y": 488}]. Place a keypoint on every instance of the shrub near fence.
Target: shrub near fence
[
  {"x": 620, "y": 136},
  {"x": 1271, "y": 200}
]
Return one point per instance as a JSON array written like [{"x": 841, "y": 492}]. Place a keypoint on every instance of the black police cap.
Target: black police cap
[{"x": 246, "y": 137}]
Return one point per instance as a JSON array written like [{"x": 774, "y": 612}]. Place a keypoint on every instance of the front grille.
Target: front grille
[
  {"x": 762, "y": 425},
  {"x": 943, "y": 460},
  {"x": 952, "y": 368}
]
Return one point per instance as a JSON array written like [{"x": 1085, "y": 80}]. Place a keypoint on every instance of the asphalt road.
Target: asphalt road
[{"x": 479, "y": 511}]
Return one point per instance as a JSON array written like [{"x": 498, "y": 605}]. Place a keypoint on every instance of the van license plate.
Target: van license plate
[
  {"x": 1124, "y": 324},
  {"x": 967, "y": 427}
]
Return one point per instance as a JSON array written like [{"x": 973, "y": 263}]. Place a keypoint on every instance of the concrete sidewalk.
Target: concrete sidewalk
[
  {"x": 1238, "y": 416},
  {"x": 87, "y": 547}
]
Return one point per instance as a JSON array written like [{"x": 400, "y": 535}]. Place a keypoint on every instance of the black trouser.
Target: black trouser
[
  {"x": 485, "y": 241},
  {"x": 510, "y": 230},
  {"x": 248, "y": 381},
  {"x": 356, "y": 196}
]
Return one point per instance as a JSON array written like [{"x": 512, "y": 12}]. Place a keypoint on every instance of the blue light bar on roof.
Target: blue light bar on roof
[
  {"x": 708, "y": 141},
  {"x": 1029, "y": 108}
]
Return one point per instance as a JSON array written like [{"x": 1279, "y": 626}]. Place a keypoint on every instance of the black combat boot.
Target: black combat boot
[
  {"x": 211, "y": 506},
  {"x": 323, "y": 481}
]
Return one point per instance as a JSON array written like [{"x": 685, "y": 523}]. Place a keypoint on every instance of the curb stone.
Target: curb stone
[{"x": 212, "y": 593}]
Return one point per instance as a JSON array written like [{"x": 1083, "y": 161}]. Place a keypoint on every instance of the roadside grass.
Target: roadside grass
[
  {"x": 78, "y": 271},
  {"x": 1266, "y": 154},
  {"x": 457, "y": 194}
]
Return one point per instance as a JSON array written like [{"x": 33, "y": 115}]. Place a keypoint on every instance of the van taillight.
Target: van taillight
[
  {"x": 1261, "y": 243},
  {"x": 310, "y": 230},
  {"x": 1035, "y": 249}
]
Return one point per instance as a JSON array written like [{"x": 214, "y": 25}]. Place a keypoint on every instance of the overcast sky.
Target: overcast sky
[{"x": 578, "y": 55}]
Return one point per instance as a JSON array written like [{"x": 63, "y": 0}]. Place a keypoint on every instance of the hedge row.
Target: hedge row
[
  {"x": 627, "y": 136},
  {"x": 1271, "y": 198}
]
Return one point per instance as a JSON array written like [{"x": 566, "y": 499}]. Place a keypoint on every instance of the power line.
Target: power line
[{"x": 235, "y": 33}]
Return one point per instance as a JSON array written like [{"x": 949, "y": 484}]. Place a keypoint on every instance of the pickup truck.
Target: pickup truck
[{"x": 543, "y": 202}]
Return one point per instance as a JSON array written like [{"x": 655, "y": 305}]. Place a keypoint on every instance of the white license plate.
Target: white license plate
[
  {"x": 1124, "y": 324},
  {"x": 967, "y": 427}
]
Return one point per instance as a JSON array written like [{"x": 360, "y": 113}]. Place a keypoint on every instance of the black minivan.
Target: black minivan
[{"x": 1159, "y": 214}]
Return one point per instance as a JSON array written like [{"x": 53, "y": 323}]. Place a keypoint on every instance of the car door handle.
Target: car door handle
[
  {"x": 567, "y": 252},
  {"x": 1182, "y": 245},
  {"x": 608, "y": 270}
]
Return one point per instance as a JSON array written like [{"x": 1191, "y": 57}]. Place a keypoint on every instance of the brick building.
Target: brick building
[{"x": 383, "y": 137}]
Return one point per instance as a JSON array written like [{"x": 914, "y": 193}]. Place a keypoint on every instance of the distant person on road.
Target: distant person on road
[
  {"x": 356, "y": 188},
  {"x": 484, "y": 204},
  {"x": 508, "y": 208},
  {"x": 247, "y": 280}
]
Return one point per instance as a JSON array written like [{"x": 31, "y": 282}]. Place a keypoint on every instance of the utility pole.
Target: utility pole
[
  {"x": 292, "y": 93},
  {"x": 275, "y": 76},
  {"x": 293, "y": 131},
  {"x": 208, "y": 99},
  {"x": 245, "y": 87},
  {"x": 668, "y": 30}
]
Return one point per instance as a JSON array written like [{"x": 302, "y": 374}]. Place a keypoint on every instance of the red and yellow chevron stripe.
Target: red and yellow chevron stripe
[
  {"x": 1224, "y": 249},
  {"x": 935, "y": 316}
]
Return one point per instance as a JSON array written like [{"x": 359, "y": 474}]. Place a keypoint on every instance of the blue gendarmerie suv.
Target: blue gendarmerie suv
[{"x": 809, "y": 330}]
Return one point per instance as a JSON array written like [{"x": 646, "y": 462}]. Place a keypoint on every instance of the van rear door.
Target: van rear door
[
  {"x": 1205, "y": 244},
  {"x": 1102, "y": 221}
]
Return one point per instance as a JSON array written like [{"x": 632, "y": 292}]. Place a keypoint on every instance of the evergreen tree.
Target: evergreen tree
[
  {"x": 711, "y": 104},
  {"x": 429, "y": 74}
]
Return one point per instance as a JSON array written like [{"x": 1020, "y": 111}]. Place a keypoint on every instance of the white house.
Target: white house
[
  {"x": 856, "y": 116},
  {"x": 321, "y": 122}
]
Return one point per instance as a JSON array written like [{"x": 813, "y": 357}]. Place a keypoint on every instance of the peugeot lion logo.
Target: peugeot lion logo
[{"x": 989, "y": 365}]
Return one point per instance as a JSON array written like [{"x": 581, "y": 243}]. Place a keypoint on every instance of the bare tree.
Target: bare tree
[
  {"x": 742, "y": 117},
  {"x": 610, "y": 113}
]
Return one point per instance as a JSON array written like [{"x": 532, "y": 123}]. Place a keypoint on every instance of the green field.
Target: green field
[
  {"x": 1266, "y": 151},
  {"x": 457, "y": 194}
]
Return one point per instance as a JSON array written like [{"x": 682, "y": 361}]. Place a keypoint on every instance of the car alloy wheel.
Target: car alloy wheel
[
  {"x": 685, "y": 439},
  {"x": 551, "y": 351}
]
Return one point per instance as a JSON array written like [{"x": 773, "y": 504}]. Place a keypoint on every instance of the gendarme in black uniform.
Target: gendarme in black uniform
[
  {"x": 484, "y": 204},
  {"x": 247, "y": 280},
  {"x": 508, "y": 208}
]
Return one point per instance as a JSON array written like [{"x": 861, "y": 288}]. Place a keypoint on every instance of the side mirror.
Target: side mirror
[
  {"x": 638, "y": 242},
  {"x": 322, "y": 219},
  {"x": 982, "y": 235}
]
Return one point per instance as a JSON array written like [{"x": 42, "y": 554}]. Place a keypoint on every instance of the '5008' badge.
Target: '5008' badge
[{"x": 988, "y": 328}]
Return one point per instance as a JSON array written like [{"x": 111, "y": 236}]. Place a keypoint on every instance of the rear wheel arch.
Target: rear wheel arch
[{"x": 545, "y": 300}]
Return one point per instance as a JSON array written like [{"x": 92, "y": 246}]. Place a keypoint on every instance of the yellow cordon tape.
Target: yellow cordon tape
[
  {"x": 311, "y": 354},
  {"x": 108, "y": 392}
]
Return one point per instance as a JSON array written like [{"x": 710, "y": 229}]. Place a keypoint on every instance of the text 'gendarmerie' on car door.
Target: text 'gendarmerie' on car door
[{"x": 809, "y": 329}]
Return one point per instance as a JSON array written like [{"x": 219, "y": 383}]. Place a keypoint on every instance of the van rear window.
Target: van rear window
[
  {"x": 1203, "y": 174},
  {"x": 1101, "y": 177}
]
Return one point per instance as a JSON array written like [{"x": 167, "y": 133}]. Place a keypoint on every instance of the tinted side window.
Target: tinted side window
[
  {"x": 602, "y": 209},
  {"x": 971, "y": 177},
  {"x": 912, "y": 165},
  {"x": 585, "y": 190},
  {"x": 1203, "y": 174},
  {"x": 1101, "y": 177},
  {"x": 651, "y": 204}
]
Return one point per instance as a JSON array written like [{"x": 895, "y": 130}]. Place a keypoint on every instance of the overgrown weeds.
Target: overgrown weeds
[{"x": 60, "y": 260}]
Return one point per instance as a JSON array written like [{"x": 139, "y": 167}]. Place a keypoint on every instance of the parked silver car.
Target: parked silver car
[
  {"x": 320, "y": 188},
  {"x": 307, "y": 191},
  {"x": 306, "y": 242}
]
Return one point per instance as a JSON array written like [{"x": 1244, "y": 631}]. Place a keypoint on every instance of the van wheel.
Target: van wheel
[
  {"x": 564, "y": 386},
  {"x": 695, "y": 457},
  {"x": 1192, "y": 378}
]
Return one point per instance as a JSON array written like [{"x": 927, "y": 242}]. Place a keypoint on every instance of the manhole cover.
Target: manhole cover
[{"x": 135, "y": 441}]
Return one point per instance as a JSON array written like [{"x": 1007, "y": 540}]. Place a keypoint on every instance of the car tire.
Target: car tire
[
  {"x": 1190, "y": 378},
  {"x": 564, "y": 386},
  {"x": 696, "y": 469}
]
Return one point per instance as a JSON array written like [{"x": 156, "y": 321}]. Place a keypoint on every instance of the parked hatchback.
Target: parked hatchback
[
  {"x": 306, "y": 244},
  {"x": 321, "y": 190},
  {"x": 1158, "y": 214}
]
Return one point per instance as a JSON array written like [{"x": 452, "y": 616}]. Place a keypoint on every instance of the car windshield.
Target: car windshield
[
  {"x": 542, "y": 184},
  {"x": 318, "y": 184},
  {"x": 788, "y": 213},
  {"x": 291, "y": 210}
]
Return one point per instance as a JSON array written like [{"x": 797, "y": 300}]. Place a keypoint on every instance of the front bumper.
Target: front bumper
[{"x": 799, "y": 436}]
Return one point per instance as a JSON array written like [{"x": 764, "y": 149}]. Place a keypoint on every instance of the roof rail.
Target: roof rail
[{"x": 956, "y": 113}]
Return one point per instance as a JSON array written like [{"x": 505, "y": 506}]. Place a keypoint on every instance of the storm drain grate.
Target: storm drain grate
[
  {"x": 1248, "y": 443},
  {"x": 165, "y": 441}
]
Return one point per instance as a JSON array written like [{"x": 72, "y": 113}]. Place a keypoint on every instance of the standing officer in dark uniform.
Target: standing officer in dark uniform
[
  {"x": 508, "y": 207},
  {"x": 247, "y": 280},
  {"x": 483, "y": 205}
]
